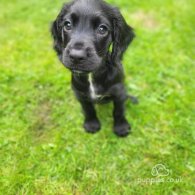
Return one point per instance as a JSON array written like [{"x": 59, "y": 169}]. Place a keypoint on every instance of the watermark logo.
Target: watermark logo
[
  {"x": 160, "y": 170},
  {"x": 161, "y": 174}
]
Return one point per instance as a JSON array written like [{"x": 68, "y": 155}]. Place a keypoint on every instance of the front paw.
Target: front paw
[
  {"x": 92, "y": 126},
  {"x": 122, "y": 129}
]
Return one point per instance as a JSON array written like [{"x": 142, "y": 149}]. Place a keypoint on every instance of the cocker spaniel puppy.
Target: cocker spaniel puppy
[{"x": 90, "y": 38}]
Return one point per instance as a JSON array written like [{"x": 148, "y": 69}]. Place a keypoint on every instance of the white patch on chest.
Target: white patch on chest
[{"x": 92, "y": 89}]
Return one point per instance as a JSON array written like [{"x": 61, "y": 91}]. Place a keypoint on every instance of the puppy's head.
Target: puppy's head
[{"x": 83, "y": 32}]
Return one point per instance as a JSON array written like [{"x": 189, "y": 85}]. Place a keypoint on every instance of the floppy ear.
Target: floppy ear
[
  {"x": 56, "y": 34},
  {"x": 122, "y": 36},
  {"x": 57, "y": 30}
]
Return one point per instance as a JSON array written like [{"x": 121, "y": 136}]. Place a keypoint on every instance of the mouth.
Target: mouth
[
  {"x": 76, "y": 69},
  {"x": 82, "y": 67},
  {"x": 79, "y": 72}
]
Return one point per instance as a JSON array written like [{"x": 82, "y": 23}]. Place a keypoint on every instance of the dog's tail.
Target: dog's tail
[{"x": 133, "y": 99}]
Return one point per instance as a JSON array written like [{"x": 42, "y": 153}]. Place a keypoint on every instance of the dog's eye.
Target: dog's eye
[
  {"x": 67, "y": 25},
  {"x": 102, "y": 29}
]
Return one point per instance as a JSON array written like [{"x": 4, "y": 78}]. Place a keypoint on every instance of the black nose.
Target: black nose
[{"x": 77, "y": 54}]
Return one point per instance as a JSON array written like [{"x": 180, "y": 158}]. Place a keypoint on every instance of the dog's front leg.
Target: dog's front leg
[
  {"x": 91, "y": 122},
  {"x": 121, "y": 126}
]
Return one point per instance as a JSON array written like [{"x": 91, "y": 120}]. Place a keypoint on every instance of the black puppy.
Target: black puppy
[{"x": 90, "y": 38}]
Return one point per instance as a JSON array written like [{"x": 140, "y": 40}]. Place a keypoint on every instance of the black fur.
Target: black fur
[{"x": 90, "y": 37}]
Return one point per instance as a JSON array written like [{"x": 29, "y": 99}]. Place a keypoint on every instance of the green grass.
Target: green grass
[{"x": 43, "y": 147}]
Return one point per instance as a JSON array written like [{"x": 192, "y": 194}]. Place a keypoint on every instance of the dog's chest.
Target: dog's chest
[{"x": 94, "y": 90}]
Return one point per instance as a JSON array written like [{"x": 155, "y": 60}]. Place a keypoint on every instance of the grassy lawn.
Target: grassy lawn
[{"x": 43, "y": 147}]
